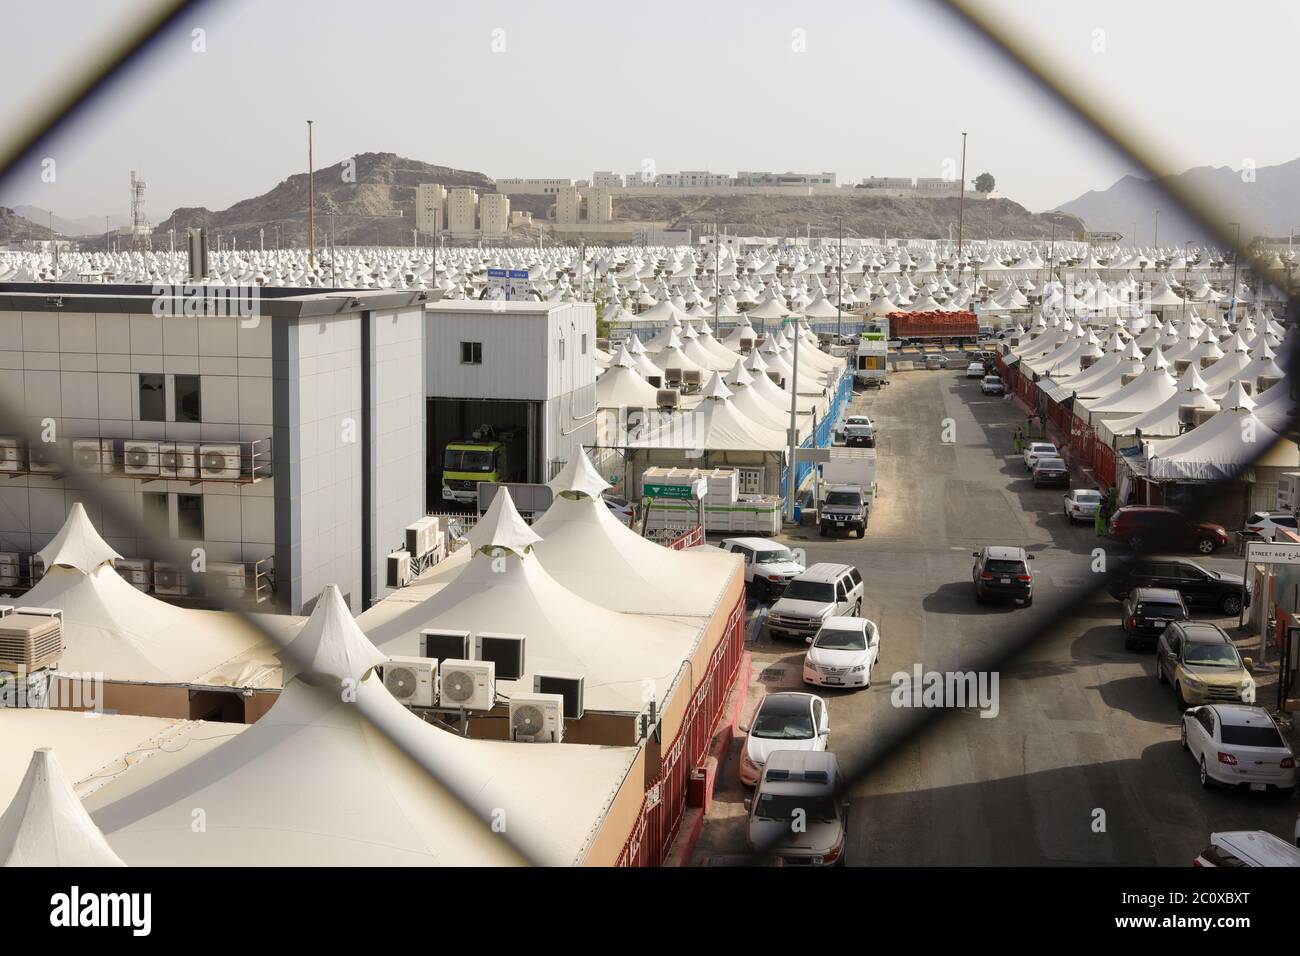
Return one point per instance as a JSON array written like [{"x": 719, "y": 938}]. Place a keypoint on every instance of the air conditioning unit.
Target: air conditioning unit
[
  {"x": 506, "y": 651},
  {"x": 169, "y": 579},
  {"x": 746, "y": 345},
  {"x": 12, "y": 458},
  {"x": 470, "y": 685},
  {"x": 568, "y": 686},
  {"x": 413, "y": 681},
  {"x": 444, "y": 645},
  {"x": 226, "y": 577},
  {"x": 672, "y": 375},
  {"x": 1264, "y": 382},
  {"x": 667, "y": 398},
  {"x": 178, "y": 460},
  {"x": 1203, "y": 415},
  {"x": 422, "y": 536},
  {"x": 399, "y": 569},
  {"x": 1087, "y": 361},
  {"x": 1187, "y": 415},
  {"x": 30, "y": 641},
  {"x": 693, "y": 378},
  {"x": 1127, "y": 377},
  {"x": 10, "y": 569},
  {"x": 219, "y": 462},
  {"x": 656, "y": 381},
  {"x": 137, "y": 572},
  {"x": 1207, "y": 361},
  {"x": 1180, "y": 366},
  {"x": 42, "y": 459},
  {"x": 140, "y": 457},
  {"x": 88, "y": 455},
  {"x": 775, "y": 375},
  {"x": 537, "y": 718}
]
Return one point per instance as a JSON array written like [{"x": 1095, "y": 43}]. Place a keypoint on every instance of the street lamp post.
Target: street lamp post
[
  {"x": 1155, "y": 232},
  {"x": 839, "y": 270},
  {"x": 1236, "y": 258}
]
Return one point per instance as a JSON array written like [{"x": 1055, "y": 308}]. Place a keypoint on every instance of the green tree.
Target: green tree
[
  {"x": 602, "y": 327},
  {"x": 985, "y": 182}
]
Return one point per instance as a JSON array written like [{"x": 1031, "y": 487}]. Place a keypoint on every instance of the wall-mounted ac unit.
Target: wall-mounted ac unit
[
  {"x": 537, "y": 718},
  {"x": 444, "y": 644},
  {"x": 412, "y": 680},
  {"x": 10, "y": 569},
  {"x": 169, "y": 579},
  {"x": 226, "y": 577},
  {"x": 506, "y": 651},
  {"x": 467, "y": 684},
  {"x": 30, "y": 641},
  {"x": 422, "y": 535},
  {"x": 219, "y": 462},
  {"x": 1187, "y": 415},
  {"x": 137, "y": 572},
  {"x": 12, "y": 455},
  {"x": 178, "y": 460},
  {"x": 42, "y": 459},
  {"x": 140, "y": 457},
  {"x": 399, "y": 569},
  {"x": 569, "y": 686},
  {"x": 88, "y": 455}
]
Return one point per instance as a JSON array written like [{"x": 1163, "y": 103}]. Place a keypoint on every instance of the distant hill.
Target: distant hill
[
  {"x": 1270, "y": 205},
  {"x": 80, "y": 226},
  {"x": 365, "y": 210},
  {"x": 14, "y": 227}
]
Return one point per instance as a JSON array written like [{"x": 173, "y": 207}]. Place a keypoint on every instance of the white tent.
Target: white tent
[
  {"x": 1222, "y": 446},
  {"x": 1149, "y": 388},
  {"x": 46, "y": 825},
  {"x": 1163, "y": 420}
]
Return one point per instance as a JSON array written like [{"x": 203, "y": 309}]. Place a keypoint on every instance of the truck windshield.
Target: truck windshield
[
  {"x": 843, "y": 498},
  {"x": 458, "y": 459},
  {"x": 819, "y": 591},
  {"x": 779, "y": 556},
  {"x": 771, "y": 806}
]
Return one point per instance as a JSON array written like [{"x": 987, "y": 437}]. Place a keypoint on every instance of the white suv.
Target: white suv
[
  {"x": 823, "y": 591},
  {"x": 769, "y": 566}
]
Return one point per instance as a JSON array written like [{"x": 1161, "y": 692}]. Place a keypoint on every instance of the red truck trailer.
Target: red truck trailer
[{"x": 956, "y": 328}]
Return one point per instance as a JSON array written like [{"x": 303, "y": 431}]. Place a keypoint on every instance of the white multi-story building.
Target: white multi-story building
[
  {"x": 568, "y": 205},
  {"x": 693, "y": 178},
  {"x": 600, "y": 204},
  {"x": 750, "y": 178},
  {"x": 494, "y": 215},
  {"x": 887, "y": 182},
  {"x": 607, "y": 178},
  {"x": 937, "y": 185},
  {"x": 532, "y": 187},
  {"x": 430, "y": 207},
  {"x": 287, "y": 444},
  {"x": 462, "y": 210}
]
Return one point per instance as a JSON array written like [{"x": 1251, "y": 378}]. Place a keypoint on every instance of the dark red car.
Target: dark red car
[{"x": 1148, "y": 527}]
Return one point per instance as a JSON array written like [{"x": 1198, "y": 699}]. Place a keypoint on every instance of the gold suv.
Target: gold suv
[{"x": 1203, "y": 665}]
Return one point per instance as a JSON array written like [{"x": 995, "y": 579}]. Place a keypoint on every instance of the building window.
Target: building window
[
  {"x": 561, "y": 349},
  {"x": 153, "y": 402},
  {"x": 471, "y": 353},
  {"x": 584, "y": 343},
  {"x": 189, "y": 517},
  {"x": 153, "y": 514},
  {"x": 188, "y": 406}
]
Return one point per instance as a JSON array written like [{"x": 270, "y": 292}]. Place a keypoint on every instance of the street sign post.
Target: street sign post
[
  {"x": 1266, "y": 552},
  {"x": 513, "y": 283},
  {"x": 1104, "y": 237}
]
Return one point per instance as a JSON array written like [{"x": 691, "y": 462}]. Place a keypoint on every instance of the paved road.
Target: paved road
[{"x": 1084, "y": 737}]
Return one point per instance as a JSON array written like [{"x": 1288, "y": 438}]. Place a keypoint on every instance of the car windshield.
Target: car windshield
[
  {"x": 992, "y": 380},
  {"x": 457, "y": 459},
  {"x": 780, "y": 556},
  {"x": 1155, "y": 609},
  {"x": 1211, "y": 655},
  {"x": 843, "y": 498},
  {"x": 1050, "y": 464},
  {"x": 858, "y": 420},
  {"x": 1037, "y": 449},
  {"x": 836, "y": 639},
  {"x": 820, "y": 591},
  {"x": 1256, "y": 736},
  {"x": 1087, "y": 497},
  {"x": 772, "y": 806},
  {"x": 996, "y": 566},
  {"x": 783, "y": 720}
]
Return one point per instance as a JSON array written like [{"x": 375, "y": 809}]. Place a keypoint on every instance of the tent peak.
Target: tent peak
[
  {"x": 330, "y": 645},
  {"x": 77, "y": 545}
]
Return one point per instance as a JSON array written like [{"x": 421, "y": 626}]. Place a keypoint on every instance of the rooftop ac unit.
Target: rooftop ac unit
[
  {"x": 746, "y": 344},
  {"x": 1087, "y": 361},
  {"x": 42, "y": 459},
  {"x": 673, "y": 375},
  {"x": 399, "y": 569},
  {"x": 506, "y": 651},
  {"x": 137, "y": 572},
  {"x": 655, "y": 380},
  {"x": 422, "y": 536},
  {"x": 30, "y": 641},
  {"x": 775, "y": 376},
  {"x": 693, "y": 377},
  {"x": 412, "y": 680},
  {"x": 10, "y": 569},
  {"x": 178, "y": 460},
  {"x": 667, "y": 398},
  {"x": 169, "y": 579},
  {"x": 567, "y": 686},
  {"x": 1203, "y": 415},
  {"x": 12, "y": 458},
  {"x": 470, "y": 685},
  {"x": 444, "y": 644},
  {"x": 140, "y": 457},
  {"x": 1187, "y": 414},
  {"x": 219, "y": 462},
  {"x": 1264, "y": 382},
  {"x": 1127, "y": 377},
  {"x": 1180, "y": 366},
  {"x": 88, "y": 455},
  {"x": 537, "y": 718}
]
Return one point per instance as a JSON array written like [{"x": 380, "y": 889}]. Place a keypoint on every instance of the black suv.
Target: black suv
[
  {"x": 1147, "y": 612},
  {"x": 1198, "y": 586},
  {"x": 1002, "y": 572}
]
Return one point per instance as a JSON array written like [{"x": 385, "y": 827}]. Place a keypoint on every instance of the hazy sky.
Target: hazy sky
[{"x": 881, "y": 87}]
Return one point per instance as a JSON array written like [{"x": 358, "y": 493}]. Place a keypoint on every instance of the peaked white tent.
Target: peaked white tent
[
  {"x": 1222, "y": 446},
  {"x": 46, "y": 825}
]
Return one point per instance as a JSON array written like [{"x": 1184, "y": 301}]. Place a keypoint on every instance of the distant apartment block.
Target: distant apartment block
[
  {"x": 532, "y": 187},
  {"x": 430, "y": 207},
  {"x": 606, "y": 178},
  {"x": 462, "y": 210},
  {"x": 568, "y": 205},
  {"x": 494, "y": 215},
  {"x": 693, "y": 178},
  {"x": 887, "y": 182},
  {"x": 600, "y": 205},
  {"x": 751, "y": 178},
  {"x": 937, "y": 185}
]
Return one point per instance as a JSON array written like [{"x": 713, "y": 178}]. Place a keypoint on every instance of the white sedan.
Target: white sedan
[
  {"x": 1081, "y": 504},
  {"x": 1238, "y": 745},
  {"x": 1039, "y": 449},
  {"x": 975, "y": 370},
  {"x": 843, "y": 653},
  {"x": 786, "y": 721}
]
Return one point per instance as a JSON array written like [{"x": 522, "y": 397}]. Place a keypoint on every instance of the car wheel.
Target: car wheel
[
  {"x": 1160, "y": 670},
  {"x": 1206, "y": 782},
  {"x": 1205, "y": 545},
  {"x": 1128, "y": 643},
  {"x": 1231, "y": 604},
  {"x": 1029, "y": 600},
  {"x": 979, "y": 596},
  {"x": 822, "y": 531},
  {"x": 1182, "y": 733}
]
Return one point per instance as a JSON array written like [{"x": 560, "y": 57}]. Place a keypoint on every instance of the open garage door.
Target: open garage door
[{"x": 450, "y": 421}]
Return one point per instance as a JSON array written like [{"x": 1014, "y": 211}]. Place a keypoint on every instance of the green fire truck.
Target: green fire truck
[{"x": 489, "y": 454}]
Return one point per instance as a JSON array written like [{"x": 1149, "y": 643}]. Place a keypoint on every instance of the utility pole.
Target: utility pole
[
  {"x": 792, "y": 470},
  {"x": 961, "y": 204},
  {"x": 1236, "y": 258},
  {"x": 1155, "y": 232},
  {"x": 717, "y": 275},
  {"x": 311, "y": 203},
  {"x": 839, "y": 269}
]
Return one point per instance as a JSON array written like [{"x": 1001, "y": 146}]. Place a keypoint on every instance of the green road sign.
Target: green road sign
[{"x": 679, "y": 492}]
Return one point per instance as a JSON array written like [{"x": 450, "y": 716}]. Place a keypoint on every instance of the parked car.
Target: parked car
[
  {"x": 1248, "y": 848},
  {"x": 789, "y": 720},
  {"x": 1050, "y": 471},
  {"x": 1203, "y": 665},
  {"x": 1081, "y": 504},
  {"x": 992, "y": 385},
  {"x": 823, "y": 590},
  {"x": 620, "y": 508},
  {"x": 1147, "y": 612},
  {"x": 1002, "y": 572},
  {"x": 933, "y": 362},
  {"x": 843, "y": 507},
  {"x": 975, "y": 370},
  {"x": 794, "y": 813},
  {"x": 1151, "y": 526},
  {"x": 1199, "y": 586},
  {"x": 1265, "y": 523},
  {"x": 843, "y": 653},
  {"x": 1038, "y": 449},
  {"x": 1238, "y": 746},
  {"x": 859, "y": 430},
  {"x": 769, "y": 566}
]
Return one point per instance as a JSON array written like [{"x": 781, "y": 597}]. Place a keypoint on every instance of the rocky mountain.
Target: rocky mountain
[
  {"x": 14, "y": 228},
  {"x": 1266, "y": 201},
  {"x": 80, "y": 226}
]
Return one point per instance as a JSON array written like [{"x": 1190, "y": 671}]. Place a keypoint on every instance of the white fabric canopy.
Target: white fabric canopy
[{"x": 46, "y": 825}]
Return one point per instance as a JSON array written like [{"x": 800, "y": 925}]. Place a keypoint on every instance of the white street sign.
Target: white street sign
[{"x": 1267, "y": 553}]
